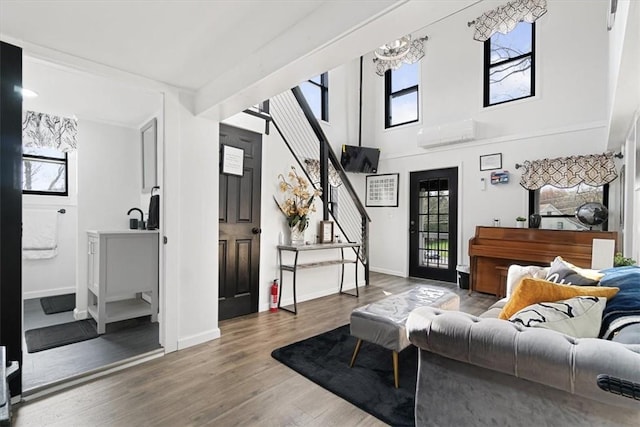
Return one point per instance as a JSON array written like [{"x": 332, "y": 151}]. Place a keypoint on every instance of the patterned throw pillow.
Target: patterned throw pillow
[
  {"x": 566, "y": 273},
  {"x": 533, "y": 291},
  {"x": 579, "y": 317}
]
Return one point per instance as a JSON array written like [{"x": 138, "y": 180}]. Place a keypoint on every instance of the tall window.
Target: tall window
[
  {"x": 509, "y": 65},
  {"x": 557, "y": 206},
  {"x": 316, "y": 92},
  {"x": 44, "y": 171},
  {"x": 401, "y": 95}
]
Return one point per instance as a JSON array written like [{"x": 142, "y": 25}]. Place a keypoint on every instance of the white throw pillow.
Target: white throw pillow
[
  {"x": 518, "y": 272},
  {"x": 579, "y": 317}
]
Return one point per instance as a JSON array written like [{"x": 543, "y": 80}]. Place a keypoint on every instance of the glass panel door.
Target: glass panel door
[{"x": 433, "y": 224}]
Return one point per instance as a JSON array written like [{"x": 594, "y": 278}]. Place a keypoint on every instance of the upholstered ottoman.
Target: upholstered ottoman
[{"x": 383, "y": 322}]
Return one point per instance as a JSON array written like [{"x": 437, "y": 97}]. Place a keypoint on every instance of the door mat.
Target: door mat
[
  {"x": 58, "y": 335},
  {"x": 324, "y": 359},
  {"x": 58, "y": 303}
]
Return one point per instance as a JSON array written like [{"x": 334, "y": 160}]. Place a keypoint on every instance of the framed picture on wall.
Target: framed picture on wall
[
  {"x": 382, "y": 190},
  {"x": 490, "y": 162}
]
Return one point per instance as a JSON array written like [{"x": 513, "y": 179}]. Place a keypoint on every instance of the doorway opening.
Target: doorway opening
[{"x": 103, "y": 182}]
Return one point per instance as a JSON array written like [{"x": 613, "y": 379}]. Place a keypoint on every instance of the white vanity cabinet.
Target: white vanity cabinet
[{"x": 122, "y": 275}]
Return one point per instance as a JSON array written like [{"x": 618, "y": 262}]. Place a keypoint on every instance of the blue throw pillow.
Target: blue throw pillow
[{"x": 624, "y": 308}]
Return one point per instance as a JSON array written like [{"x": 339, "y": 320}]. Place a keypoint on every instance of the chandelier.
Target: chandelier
[{"x": 391, "y": 56}]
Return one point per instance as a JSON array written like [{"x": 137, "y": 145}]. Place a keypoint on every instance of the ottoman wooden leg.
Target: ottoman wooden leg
[
  {"x": 396, "y": 378},
  {"x": 355, "y": 353}
]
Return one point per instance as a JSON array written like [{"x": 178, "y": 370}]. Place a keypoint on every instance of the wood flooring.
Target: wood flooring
[{"x": 231, "y": 381}]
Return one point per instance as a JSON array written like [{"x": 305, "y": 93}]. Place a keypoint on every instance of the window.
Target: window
[
  {"x": 557, "y": 206},
  {"x": 401, "y": 95},
  {"x": 316, "y": 92},
  {"x": 509, "y": 65},
  {"x": 44, "y": 171}
]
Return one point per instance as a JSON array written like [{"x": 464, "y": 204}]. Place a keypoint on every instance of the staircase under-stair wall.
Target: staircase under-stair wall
[{"x": 293, "y": 119}]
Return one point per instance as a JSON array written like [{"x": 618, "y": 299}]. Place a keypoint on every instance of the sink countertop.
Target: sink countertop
[{"x": 123, "y": 231}]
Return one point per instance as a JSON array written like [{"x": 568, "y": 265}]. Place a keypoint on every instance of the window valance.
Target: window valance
[
  {"x": 566, "y": 172},
  {"x": 40, "y": 130},
  {"x": 505, "y": 18},
  {"x": 313, "y": 168}
]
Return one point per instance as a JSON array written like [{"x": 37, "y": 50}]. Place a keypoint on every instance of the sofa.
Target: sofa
[{"x": 482, "y": 370}]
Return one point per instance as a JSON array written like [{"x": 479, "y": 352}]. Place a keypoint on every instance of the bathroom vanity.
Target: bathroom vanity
[{"x": 122, "y": 275}]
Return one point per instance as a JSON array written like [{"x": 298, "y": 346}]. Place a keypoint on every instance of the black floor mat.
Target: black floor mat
[
  {"x": 58, "y": 335},
  {"x": 324, "y": 359},
  {"x": 58, "y": 303}
]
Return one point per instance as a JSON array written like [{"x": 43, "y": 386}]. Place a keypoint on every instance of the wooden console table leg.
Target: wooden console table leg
[
  {"x": 355, "y": 353},
  {"x": 396, "y": 377}
]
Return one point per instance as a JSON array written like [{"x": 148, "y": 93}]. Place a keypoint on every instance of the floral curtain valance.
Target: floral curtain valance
[
  {"x": 313, "y": 168},
  {"x": 566, "y": 172},
  {"x": 505, "y": 18},
  {"x": 40, "y": 130}
]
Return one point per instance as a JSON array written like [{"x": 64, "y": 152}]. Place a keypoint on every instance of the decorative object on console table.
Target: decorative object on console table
[
  {"x": 520, "y": 222},
  {"x": 326, "y": 231},
  {"x": 298, "y": 204},
  {"x": 296, "y": 235}
]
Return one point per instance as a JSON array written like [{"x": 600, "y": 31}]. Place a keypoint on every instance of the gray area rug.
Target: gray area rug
[
  {"x": 58, "y": 335},
  {"x": 58, "y": 303}
]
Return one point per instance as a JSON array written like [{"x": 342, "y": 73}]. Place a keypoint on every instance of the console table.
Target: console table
[{"x": 295, "y": 266}]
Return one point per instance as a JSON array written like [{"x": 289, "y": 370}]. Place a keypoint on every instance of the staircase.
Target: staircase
[{"x": 295, "y": 122}]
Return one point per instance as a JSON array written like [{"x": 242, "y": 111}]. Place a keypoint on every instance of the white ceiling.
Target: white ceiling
[{"x": 228, "y": 54}]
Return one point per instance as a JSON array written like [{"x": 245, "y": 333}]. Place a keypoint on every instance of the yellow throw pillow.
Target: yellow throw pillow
[{"x": 532, "y": 291}]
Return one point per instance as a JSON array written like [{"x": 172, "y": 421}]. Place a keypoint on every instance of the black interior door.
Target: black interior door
[
  {"x": 11, "y": 207},
  {"x": 239, "y": 218},
  {"x": 433, "y": 224}
]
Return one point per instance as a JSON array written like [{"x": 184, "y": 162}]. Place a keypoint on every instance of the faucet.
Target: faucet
[{"x": 133, "y": 222}]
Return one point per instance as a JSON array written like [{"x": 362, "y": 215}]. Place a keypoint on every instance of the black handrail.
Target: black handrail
[{"x": 315, "y": 125}]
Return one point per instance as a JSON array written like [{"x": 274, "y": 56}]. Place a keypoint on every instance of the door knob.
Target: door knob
[
  {"x": 412, "y": 227},
  {"x": 256, "y": 230}
]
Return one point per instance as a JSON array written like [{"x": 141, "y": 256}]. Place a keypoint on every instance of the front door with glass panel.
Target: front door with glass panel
[{"x": 433, "y": 224}]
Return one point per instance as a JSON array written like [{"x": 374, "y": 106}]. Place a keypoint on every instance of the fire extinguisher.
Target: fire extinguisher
[{"x": 273, "y": 303}]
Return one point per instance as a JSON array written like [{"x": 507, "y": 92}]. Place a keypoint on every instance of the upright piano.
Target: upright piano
[{"x": 493, "y": 249}]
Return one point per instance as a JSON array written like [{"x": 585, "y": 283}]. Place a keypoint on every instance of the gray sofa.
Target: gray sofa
[{"x": 486, "y": 371}]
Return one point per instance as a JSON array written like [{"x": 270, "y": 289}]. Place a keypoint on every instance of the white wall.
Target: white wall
[
  {"x": 567, "y": 116},
  {"x": 198, "y": 286},
  {"x": 109, "y": 182},
  {"x": 55, "y": 276}
]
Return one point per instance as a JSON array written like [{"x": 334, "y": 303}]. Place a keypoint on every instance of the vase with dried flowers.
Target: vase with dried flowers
[{"x": 297, "y": 204}]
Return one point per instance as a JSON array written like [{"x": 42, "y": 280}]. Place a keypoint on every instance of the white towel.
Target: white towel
[{"x": 39, "y": 234}]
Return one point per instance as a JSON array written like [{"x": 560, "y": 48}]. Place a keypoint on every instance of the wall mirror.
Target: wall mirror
[{"x": 148, "y": 138}]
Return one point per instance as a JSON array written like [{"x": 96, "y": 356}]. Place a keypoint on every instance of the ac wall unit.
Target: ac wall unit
[{"x": 450, "y": 133}]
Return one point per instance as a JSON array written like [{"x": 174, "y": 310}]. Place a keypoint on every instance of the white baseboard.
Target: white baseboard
[
  {"x": 385, "y": 271},
  {"x": 198, "y": 338},
  {"x": 48, "y": 292}
]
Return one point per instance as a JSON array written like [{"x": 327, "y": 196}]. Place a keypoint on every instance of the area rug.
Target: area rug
[
  {"x": 324, "y": 359},
  {"x": 58, "y": 303},
  {"x": 58, "y": 335}
]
